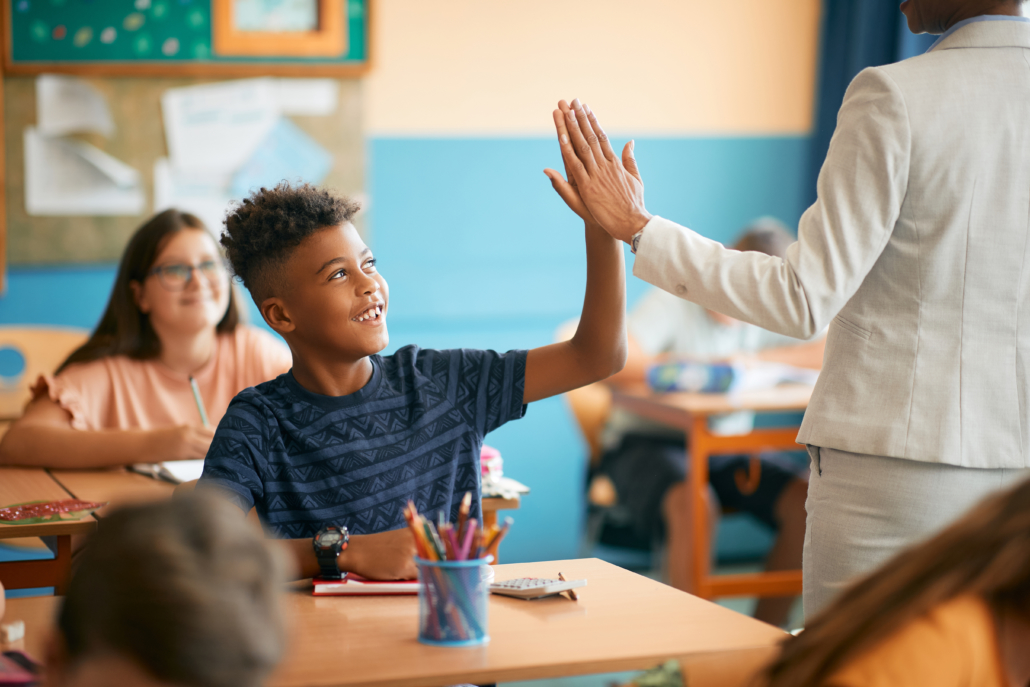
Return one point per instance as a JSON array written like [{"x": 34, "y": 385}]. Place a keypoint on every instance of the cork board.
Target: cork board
[{"x": 139, "y": 141}]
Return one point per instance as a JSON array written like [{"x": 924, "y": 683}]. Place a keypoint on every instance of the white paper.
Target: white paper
[
  {"x": 216, "y": 127},
  {"x": 765, "y": 375},
  {"x": 204, "y": 195},
  {"x": 183, "y": 470},
  {"x": 174, "y": 471},
  {"x": 65, "y": 177},
  {"x": 65, "y": 104},
  {"x": 309, "y": 97}
]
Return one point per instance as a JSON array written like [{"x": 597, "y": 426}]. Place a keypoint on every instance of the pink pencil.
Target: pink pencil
[
  {"x": 452, "y": 539},
  {"x": 466, "y": 546}
]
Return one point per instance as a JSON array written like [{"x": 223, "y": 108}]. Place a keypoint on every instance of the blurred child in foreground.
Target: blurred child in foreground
[
  {"x": 951, "y": 612},
  {"x": 183, "y": 592}
]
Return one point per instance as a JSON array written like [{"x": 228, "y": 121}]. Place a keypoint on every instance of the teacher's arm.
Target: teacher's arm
[{"x": 860, "y": 191}]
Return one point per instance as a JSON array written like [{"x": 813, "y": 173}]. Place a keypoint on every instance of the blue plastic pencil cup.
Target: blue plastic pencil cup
[{"x": 453, "y": 598}]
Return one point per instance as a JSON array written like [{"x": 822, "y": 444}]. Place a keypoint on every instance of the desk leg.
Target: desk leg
[
  {"x": 697, "y": 478},
  {"x": 53, "y": 573}
]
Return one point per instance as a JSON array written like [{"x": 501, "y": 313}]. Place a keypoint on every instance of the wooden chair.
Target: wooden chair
[{"x": 41, "y": 349}]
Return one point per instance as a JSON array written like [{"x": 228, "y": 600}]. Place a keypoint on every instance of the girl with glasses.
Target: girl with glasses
[{"x": 124, "y": 396}]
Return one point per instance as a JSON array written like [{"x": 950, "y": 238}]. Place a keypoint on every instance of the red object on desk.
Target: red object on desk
[{"x": 47, "y": 509}]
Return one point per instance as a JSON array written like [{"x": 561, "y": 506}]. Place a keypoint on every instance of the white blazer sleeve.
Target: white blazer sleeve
[{"x": 860, "y": 191}]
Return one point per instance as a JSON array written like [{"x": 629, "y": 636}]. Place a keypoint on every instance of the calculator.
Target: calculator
[{"x": 534, "y": 587}]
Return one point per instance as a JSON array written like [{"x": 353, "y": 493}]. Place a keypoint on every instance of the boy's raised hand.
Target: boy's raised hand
[{"x": 567, "y": 189}]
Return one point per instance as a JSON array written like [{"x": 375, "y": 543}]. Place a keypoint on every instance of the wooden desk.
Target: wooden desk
[
  {"x": 690, "y": 412},
  {"x": 117, "y": 486},
  {"x": 121, "y": 487},
  {"x": 622, "y": 621},
  {"x": 18, "y": 485}
]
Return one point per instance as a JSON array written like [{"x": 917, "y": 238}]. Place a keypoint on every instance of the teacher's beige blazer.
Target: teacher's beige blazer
[{"x": 916, "y": 255}]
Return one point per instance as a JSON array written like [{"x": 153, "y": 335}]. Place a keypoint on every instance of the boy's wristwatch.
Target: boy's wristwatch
[{"x": 329, "y": 543}]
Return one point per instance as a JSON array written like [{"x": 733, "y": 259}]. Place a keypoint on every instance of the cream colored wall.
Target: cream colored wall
[{"x": 656, "y": 67}]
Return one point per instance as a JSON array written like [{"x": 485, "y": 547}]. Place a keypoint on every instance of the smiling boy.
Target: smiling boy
[{"x": 348, "y": 436}]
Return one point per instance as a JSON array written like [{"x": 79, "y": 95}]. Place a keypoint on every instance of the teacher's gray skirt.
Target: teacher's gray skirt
[{"x": 863, "y": 509}]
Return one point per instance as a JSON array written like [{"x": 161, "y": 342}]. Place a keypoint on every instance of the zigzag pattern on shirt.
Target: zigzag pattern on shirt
[{"x": 415, "y": 432}]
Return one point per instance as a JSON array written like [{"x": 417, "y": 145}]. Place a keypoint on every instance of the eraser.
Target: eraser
[{"x": 12, "y": 632}]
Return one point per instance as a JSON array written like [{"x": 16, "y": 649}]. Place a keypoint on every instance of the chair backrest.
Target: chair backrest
[
  {"x": 590, "y": 404},
  {"x": 26, "y": 353}
]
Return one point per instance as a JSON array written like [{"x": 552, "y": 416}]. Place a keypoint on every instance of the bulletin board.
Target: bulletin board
[
  {"x": 160, "y": 38},
  {"x": 139, "y": 140}
]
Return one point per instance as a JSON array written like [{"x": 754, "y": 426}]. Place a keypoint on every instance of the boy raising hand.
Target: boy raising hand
[{"x": 337, "y": 446}]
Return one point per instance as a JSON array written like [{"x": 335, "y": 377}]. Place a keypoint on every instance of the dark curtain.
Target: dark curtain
[{"x": 855, "y": 34}]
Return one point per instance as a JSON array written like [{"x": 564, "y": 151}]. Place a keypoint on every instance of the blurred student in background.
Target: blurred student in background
[
  {"x": 182, "y": 592},
  {"x": 645, "y": 462},
  {"x": 124, "y": 396},
  {"x": 953, "y": 611}
]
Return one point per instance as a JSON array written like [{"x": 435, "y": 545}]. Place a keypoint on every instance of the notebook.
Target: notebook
[{"x": 352, "y": 585}]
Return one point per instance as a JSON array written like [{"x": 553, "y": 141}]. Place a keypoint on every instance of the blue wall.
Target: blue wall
[{"x": 480, "y": 252}]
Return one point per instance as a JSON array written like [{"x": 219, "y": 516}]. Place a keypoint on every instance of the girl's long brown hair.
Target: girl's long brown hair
[
  {"x": 986, "y": 553},
  {"x": 124, "y": 330}
]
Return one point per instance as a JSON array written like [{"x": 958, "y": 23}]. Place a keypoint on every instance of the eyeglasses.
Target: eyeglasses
[{"x": 176, "y": 276}]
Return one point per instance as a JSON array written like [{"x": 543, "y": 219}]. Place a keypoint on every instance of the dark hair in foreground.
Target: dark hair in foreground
[
  {"x": 123, "y": 329},
  {"x": 262, "y": 231},
  {"x": 986, "y": 553},
  {"x": 187, "y": 588}
]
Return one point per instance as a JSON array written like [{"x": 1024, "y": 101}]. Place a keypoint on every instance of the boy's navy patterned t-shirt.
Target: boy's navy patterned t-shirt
[{"x": 415, "y": 432}]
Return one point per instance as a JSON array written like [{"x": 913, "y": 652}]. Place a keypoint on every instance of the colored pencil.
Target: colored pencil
[
  {"x": 200, "y": 402},
  {"x": 466, "y": 544},
  {"x": 463, "y": 512}
]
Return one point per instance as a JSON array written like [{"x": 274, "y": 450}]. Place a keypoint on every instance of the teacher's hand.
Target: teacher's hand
[{"x": 611, "y": 190}]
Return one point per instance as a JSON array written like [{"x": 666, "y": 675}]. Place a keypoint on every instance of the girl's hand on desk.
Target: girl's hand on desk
[
  {"x": 181, "y": 443},
  {"x": 383, "y": 556}
]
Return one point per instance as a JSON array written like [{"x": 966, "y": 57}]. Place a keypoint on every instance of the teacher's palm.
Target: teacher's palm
[{"x": 600, "y": 186}]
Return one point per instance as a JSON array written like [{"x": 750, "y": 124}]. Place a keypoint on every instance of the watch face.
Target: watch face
[{"x": 329, "y": 538}]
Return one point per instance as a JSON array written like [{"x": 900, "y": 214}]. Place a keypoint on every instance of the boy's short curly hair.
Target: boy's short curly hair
[{"x": 262, "y": 231}]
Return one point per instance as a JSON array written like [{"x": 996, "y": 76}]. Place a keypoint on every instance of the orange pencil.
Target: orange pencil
[
  {"x": 491, "y": 550},
  {"x": 410, "y": 517}
]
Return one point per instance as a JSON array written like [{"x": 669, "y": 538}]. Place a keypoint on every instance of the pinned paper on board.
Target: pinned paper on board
[
  {"x": 69, "y": 177},
  {"x": 203, "y": 195},
  {"x": 217, "y": 127},
  {"x": 286, "y": 154},
  {"x": 67, "y": 105},
  {"x": 307, "y": 97}
]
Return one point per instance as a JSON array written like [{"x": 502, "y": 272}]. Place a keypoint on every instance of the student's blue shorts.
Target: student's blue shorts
[{"x": 643, "y": 468}]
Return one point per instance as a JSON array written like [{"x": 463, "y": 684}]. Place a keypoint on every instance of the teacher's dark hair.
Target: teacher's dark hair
[
  {"x": 124, "y": 330},
  {"x": 986, "y": 553},
  {"x": 186, "y": 588}
]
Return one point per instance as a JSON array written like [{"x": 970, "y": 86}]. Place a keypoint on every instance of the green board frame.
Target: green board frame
[{"x": 170, "y": 38}]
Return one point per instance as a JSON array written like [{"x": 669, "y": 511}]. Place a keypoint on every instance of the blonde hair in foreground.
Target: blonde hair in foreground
[
  {"x": 986, "y": 553},
  {"x": 187, "y": 588}
]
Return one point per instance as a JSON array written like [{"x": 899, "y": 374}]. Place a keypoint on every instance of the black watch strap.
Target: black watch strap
[{"x": 327, "y": 554}]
